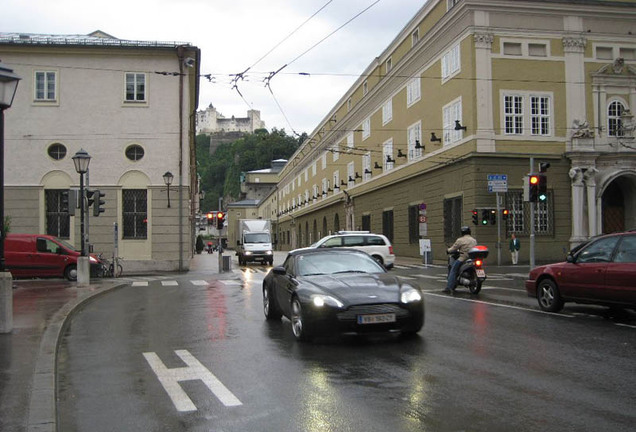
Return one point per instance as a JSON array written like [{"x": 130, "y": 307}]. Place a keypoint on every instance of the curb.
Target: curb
[{"x": 42, "y": 414}]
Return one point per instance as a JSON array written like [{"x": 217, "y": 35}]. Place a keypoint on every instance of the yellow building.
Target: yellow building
[{"x": 468, "y": 99}]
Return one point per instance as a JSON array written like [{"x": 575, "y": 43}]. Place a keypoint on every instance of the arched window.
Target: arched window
[{"x": 614, "y": 123}]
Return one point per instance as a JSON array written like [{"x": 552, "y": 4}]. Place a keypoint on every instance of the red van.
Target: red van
[{"x": 42, "y": 255}]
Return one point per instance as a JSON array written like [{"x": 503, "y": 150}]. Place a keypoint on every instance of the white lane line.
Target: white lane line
[
  {"x": 499, "y": 305},
  {"x": 140, "y": 283},
  {"x": 170, "y": 378},
  {"x": 169, "y": 283},
  {"x": 199, "y": 282}
]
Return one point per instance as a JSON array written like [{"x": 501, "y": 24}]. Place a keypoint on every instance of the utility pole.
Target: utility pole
[{"x": 532, "y": 208}]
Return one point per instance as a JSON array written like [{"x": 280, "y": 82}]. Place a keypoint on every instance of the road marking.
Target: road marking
[
  {"x": 169, "y": 283},
  {"x": 199, "y": 282},
  {"x": 170, "y": 379},
  {"x": 429, "y": 277},
  {"x": 140, "y": 283}
]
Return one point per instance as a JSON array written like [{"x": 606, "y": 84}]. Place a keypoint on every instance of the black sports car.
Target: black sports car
[{"x": 330, "y": 291}]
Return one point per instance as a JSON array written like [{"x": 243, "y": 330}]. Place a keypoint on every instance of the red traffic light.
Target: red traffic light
[
  {"x": 219, "y": 215},
  {"x": 209, "y": 215},
  {"x": 534, "y": 179}
]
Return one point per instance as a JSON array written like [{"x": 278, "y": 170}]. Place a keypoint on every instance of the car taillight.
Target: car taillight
[
  {"x": 478, "y": 263},
  {"x": 390, "y": 250}
]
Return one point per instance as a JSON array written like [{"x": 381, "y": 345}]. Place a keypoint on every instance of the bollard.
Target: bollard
[{"x": 6, "y": 302}]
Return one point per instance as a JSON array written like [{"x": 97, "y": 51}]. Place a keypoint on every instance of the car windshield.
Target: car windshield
[
  {"x": 257, "y": 238},
  {"x": 331, "y": 263},
  {"x": 65, "y": 244}
]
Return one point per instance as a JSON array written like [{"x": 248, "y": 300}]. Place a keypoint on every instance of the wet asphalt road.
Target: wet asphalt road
[{"x": 497, "y": 365}]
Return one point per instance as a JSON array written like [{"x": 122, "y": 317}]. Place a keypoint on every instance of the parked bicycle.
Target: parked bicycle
[{"x": 108, "y": 267}]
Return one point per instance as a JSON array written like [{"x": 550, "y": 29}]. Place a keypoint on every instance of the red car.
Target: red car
[{"x": 600, "y": 271}]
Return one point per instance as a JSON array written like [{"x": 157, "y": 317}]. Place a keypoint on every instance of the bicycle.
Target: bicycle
[{"x": 107, "y": 268}]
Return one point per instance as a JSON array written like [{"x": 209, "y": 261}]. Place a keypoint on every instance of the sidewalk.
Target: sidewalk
[{"x": 41, "y": 309}]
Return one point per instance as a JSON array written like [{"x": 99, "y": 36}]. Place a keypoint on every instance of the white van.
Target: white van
[{"x": 376, "y": 245}]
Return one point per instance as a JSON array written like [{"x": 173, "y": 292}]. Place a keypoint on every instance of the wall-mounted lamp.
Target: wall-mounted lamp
[
  {"x": 351, "y": 179},
  {"x": 167, "y": 179},
  {"x": 458, "y": 126},
  {"x": 389, "y": 159},
  {"x": 342, "y": 182},
  {"x": 358, "y": 176},
  {"x": 367, "y": 171},
  {"x": 377, "y": 166},
  {"x": 418, "y": 145},
  {"x": 400, "y": 154},
  {"x": 434, "y": 138}
]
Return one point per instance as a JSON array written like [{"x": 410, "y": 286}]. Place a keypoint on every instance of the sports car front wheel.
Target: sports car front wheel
[{"x": 297, "y": 321}]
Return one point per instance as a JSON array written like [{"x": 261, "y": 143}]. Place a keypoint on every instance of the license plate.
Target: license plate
[
  {"x": 481, "y": 273},
  {"x": 376, "y": 319}
]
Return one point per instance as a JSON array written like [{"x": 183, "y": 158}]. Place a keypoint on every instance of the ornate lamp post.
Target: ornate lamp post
[
  {"x": 8, "y": 86},
  {"x": 167, "y": 179},
  {"x": 81, "y": 161}
]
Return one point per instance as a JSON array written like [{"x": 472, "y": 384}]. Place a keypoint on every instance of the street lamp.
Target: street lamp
[
  {"x": 167, "y": 179},
  {"x": 8, "y": 86},
  {"x": 81, "y": 161}
]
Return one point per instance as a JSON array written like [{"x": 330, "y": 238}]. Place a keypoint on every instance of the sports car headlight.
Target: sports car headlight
[
  {"x": 410, "y": 295},
  {"x": 320, "y": 300}
]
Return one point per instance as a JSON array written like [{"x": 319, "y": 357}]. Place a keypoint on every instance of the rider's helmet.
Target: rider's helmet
[{"x": 465, "y": 230}]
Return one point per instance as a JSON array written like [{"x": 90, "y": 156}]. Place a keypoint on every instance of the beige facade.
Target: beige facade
[
  {"x": 467, "y": 91},
  {"x": 130, "y": 105}
]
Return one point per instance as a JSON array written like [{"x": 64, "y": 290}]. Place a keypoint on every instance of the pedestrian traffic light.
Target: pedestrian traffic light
[
  {"x": 220, "y": 220},
  {"x": 533, "y": 187},
  {"x": 475, "y": 217},
  {"x": 485, "y": 216},
  {"x": 98, "y": 207},
  {"x": 504, "y": 214},
  {"x": 493, "y": 216},
  {"x": 542, "y": 188},
  {"x": 211, "y": 219}
]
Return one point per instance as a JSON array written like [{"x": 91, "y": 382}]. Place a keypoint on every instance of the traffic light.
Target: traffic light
[
  {"x": 485, "y": 216},
  {"x": 90, "y": 198},
  {"x": 475, "y": 217},
  {"x": 533, "y": 187},
  {"x": 504, "y": 214},
  {"x": 98, "y": 202},
  {"x": 542, "y": 188},
  {"x": 493, "y": 216},
  {"x": 220, "y": 220},
  {"x": 211, "y": 220}
]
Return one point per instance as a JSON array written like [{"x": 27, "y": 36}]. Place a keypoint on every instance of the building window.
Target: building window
[
  {"x": 336, "y": 181},
  {"x": 134, "y": 152},
  {"x": 57, "y": 222},
  {"x": 413, "y": 92},
  {"x": 414, "y": 224},
  {"x": 540, "y": 115},
  {"x": 450, "y": 4},
  {"x": 366, "y": 222},
  {"x": 350, "y": 142},
  {"x": 387, "y": 112},
  {"x": 604, "y": 53},
  {"x": 415, "y": 37},
  {"x": 451, "y": 113},
  {"x": 614, "y": 123},
  {"x": 135, "y": 87},
  {"x": 349, "y": 104},
  {"x": 627, "y": 53},
  {"x": 512, "y": 48},
  {"x": 135, "y": 213},
  {"x": 452, "y": 219},
  {"x": 513, "y": 115},
  {"x": 537, "y": 50},
  {"x": 366, "y": 128},
  {"x": 451, "y": 63},
  {"x": 389, "y": 65},
  {"x": 520, "y": 215},
  {"x": 324, "y": 160},
  {"x": 414, "y": 137},
  {"x": 365, "y": 88},
  {"x": 57, "y": 151},
  {"x": 387, "y": 155},
  {"x": 387, "y": 224},
  {"x": 351, "y": 181},
  {"x": 366, "y": 166},
  {"x": 45, "y": 86},
  {"x": 335, "y": 152}
]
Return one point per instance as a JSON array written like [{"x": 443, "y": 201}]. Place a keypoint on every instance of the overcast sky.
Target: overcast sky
[{"x": 234, "y": 35}]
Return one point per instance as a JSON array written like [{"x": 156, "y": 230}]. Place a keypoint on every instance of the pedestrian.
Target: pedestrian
[{"x": 515, "y": 245}]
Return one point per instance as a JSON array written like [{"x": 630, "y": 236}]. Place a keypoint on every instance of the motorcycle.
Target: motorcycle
[{"x": 471, "y": 273}]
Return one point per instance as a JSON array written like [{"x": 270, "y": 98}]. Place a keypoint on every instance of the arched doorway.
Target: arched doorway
[
  {"x": 336, "y": 223},
  {"x": 324, "y": 226},
  {"x": 314, "y": 234},
  {"x": 619, "y": 205}
]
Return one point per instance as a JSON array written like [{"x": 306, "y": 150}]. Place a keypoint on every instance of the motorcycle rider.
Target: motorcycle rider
[{"x": 462, "y": 245}]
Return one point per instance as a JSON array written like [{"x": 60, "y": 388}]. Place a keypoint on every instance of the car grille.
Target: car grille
[{"x": 352, "y": 313}]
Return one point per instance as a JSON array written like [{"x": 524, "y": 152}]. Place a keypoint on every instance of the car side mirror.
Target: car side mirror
[
  {"x": 279, "y": 270},
  {"x": 570, "y": 258}
]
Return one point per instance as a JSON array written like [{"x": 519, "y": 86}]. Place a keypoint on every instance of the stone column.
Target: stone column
[
  {"x": 590, "y": 183},
  {"x": 576, "y": 174},
  {"x": 485, "y": 124},
  {"x": 574, "y": 48}
]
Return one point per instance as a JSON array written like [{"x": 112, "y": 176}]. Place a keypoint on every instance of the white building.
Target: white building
[{"x": 131, "y": 105}]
